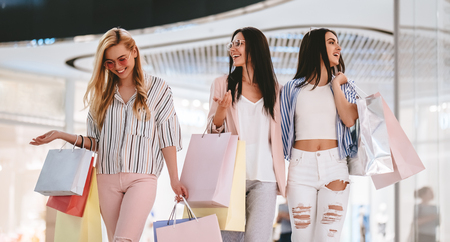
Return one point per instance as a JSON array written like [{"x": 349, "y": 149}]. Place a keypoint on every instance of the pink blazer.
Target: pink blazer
[{"x": 218, "y": 89}]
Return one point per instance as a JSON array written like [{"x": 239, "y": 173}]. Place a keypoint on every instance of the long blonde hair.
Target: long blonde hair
[{"x": 101, "y": 88}]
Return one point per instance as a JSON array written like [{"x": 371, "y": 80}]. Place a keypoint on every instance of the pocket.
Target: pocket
[
  {"x": 295, "y": 161},
  {"x": 142, "y": 127},
  {"x": 337, "y": 159}
]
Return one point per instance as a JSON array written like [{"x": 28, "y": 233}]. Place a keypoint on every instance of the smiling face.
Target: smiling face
[
  {"x": 123, "y": 60},
  {"x": 238, "y": 54},
  {"x": 333, "y": 48}
]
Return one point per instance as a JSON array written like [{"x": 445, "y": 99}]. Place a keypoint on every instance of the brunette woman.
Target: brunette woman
[
  {"x": 245, "y": 103},
  {"x": 318, "y": 107}
]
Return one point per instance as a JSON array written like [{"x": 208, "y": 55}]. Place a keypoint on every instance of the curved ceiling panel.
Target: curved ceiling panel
[{"x": 368, "y": 57}]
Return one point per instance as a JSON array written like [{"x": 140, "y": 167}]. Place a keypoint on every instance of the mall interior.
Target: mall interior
[{"x": 399, "y": 48}]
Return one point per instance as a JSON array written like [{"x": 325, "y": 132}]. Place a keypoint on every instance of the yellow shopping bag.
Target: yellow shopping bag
[
  {"x": 233, "y": 217},
  {"x": 70, "y": 228}
]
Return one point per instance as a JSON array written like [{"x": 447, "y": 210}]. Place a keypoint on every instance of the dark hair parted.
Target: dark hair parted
[
  {"x": 312, "y": 51},
  {"x": 257, "y": 50}
]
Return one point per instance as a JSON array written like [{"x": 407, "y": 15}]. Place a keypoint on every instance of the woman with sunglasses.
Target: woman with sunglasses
[
  {"x": 134, "y": 125},
  {"x": 245, "y": 103},
  {"x": 318, "y": 108}
]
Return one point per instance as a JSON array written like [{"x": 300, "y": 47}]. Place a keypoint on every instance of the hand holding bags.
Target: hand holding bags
[
  {"x": 64, "y": 172},
  {"x": 405, "y": 158},
  {"x": 374, "y": 156},
  {"x": 208, "y": 169},
  {"x": 204, "y": 229}
]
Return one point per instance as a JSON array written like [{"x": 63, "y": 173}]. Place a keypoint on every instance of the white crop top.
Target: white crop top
[
  {"x": 254, "y": 129},
  {"x": 315, "y": 113}
]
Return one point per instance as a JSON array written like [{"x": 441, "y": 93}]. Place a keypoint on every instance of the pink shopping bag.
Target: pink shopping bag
[
  {"x": 205, "y": 229},
  {"x": 208, "y": 169},
  {"x": 405, "y": 159}
]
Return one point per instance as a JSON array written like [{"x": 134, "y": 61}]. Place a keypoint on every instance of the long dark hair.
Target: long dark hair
[
  {"x": 312, "y": 49},
  {"x": 257, "y": 48}
]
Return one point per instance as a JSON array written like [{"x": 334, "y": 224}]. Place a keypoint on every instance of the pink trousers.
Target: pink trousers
[{"x": 126, "y": 200}]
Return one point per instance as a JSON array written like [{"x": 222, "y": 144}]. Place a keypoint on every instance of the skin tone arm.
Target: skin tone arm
[
  {"x": 347, "y": 111},
  {"x": 170, "y": 156},
  {"x": 70, "y": 138},
  {"x": 221, "y": 112},
  {"x": 283, "y": 216}
]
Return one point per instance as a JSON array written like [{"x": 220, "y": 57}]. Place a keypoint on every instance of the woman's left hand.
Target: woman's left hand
[
  {"x": 180, "y": 190},
  {"x": 340, "y": 78}
]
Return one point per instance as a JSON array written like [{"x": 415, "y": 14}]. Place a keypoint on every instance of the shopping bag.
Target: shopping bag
[
  {"x": 405, "y": 158},
  {"x": 374, "y": 155},
  {"x": 204, "y": 229},
  {"x": 233, "y": 217},
  {"x": 72, "y": 205},
  {"x": 64, "y": 172},
  {"x": 70, "y": 228},
  {"x": 208, "y": 169}
]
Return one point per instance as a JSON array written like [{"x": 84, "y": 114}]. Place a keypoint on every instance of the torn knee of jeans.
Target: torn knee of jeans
[
  {"x": 331, "y": 232},
  {"x": 121, "y": 239},
  {"x": 302, "y": 216},
  {"x": 333, "y": 214},
  {"x": 337, "y": 185}
]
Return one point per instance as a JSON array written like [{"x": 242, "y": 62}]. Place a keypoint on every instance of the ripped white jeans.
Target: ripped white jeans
[{"x": 317, "y": 209}]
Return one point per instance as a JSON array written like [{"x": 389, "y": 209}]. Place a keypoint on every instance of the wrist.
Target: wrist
[
  {"x": 221, "y": 110},
  {"x": 174, "y": 179},
  {"x": 335, "y": 85}
]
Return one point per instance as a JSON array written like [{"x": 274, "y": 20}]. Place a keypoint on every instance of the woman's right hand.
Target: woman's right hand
[{"x": 45, "y": 138}]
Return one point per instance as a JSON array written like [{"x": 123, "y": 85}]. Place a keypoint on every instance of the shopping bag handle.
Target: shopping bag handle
[
  {"x": 357, "y": 93},
  {"x": 189, "y": 208},
  {"x": 173, "y": 214},
  {"x": 74, "y": 144},
  {"x": 224, "y": 128}
]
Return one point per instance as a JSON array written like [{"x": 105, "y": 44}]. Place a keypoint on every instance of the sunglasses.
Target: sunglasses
[
  {"x": 123, "y": 61},
  {"x": 236, "y": 44}
]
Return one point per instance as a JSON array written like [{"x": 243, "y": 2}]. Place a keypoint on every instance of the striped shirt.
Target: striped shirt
[
  {"x": 289, "y": 93},
  {"x": 127, "y": 144}
]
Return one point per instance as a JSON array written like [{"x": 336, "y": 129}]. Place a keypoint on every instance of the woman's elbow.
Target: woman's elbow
[{"x": 349, "y": 122}]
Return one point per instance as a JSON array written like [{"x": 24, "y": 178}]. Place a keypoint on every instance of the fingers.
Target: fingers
[
  {"x": 185, "y": 192},
  {"x": 43, "y": 139},
  {"x": 225, "y": 101}
]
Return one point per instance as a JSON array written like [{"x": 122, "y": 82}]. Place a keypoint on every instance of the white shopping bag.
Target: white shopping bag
[
  {"x": 374, "y": 156},
  {"x": 64, "y": 172}
]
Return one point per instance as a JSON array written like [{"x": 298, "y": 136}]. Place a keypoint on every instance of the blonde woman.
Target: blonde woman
[{"x": 134, "y": 125}]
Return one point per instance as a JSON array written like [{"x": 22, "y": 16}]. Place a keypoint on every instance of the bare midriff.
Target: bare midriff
[{"x": 314, "y": 145}]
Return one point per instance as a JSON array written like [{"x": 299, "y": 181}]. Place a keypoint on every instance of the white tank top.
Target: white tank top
[
  {"x": 315, "y": 113},
  {"x": 254, "y": 129}
]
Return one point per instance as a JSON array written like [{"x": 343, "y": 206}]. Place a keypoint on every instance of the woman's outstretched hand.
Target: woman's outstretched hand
[
  {"x": 45, "y": 138},
  {"x": 180, "y": 190},
  {"x": 225, "y": 101}
]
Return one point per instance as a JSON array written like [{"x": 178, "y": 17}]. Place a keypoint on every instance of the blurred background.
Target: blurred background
[{"x": 400, "y": 48}]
